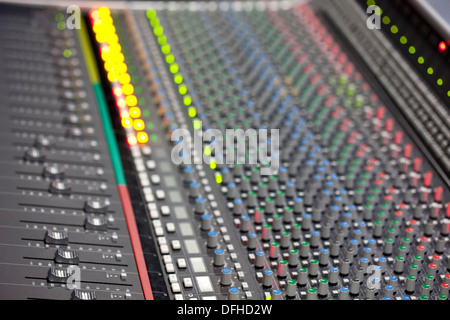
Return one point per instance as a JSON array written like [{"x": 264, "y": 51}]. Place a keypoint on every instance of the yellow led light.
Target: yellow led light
[
  {"x": 135, "y": 112},
  {"x": 127, "y": 89},
  {"x": 131, "y": 100},
  {"x": 213, "y": 165},
  {"x": 138, "y": 125},
  {"x": 103, "y": 12},
  {"x": 219, "y": 178},
  {"x": 121, "y": 69},
  {"x": 142, "y": 137},
  {"x": 112, "y": 76},
  {"x": 124, "y": 78},
  {"x": 207, "y": 150},
  {"x": 127, "y": 122}
]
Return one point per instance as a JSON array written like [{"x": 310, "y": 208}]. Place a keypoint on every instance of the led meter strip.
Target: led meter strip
[{"x": 104, "y": 30}]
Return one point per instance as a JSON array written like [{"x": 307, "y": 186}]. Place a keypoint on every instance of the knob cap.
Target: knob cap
[
  {"x": 96, "y": 206},
  {"x": 67, "y": 256},
  {"x": 78, "y": 294},
  {"x": 56, "y": 237},
  {"x": 96, "y": 223}
]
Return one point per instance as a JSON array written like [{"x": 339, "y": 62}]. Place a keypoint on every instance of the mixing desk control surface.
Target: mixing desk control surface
[{"x": 278, "y": 150}]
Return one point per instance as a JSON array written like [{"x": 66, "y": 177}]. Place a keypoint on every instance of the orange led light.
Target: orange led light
[
  {"x": 132, "y": 140},
  {"x": 135, "y": 112},
  {"x": 142, "y": 137}
]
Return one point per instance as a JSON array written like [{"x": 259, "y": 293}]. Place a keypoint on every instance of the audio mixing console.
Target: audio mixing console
[{"x": 241, "y": 150}]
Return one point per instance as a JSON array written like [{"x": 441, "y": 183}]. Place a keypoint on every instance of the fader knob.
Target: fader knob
[
  {"x": 56, "y": 237},
  {"x": 96, "y": 223},
  {"x": 67, "y": 256},
  {"x": 60, "y": 187},
  {"x": 58, "y": 275},
  {"x": 78, "y": 294},
  {"x": 96, "y": 206}
]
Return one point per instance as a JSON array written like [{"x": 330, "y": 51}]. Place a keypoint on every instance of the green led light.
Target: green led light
[
  {"x": 151, "y": 14},
  {"x": 219, "y": 178},
  {"x": 412, "y": 50},
  {"x": 192, "y": 112},
  {"x": 182, "y": 89},
  {"x": 370, "y": 3},
  {"x": 59, "y": 16},
  {"x": 386, "y": 20},
  {"x": 155, "y": 23},
  {"x": 170, "y": 59},
  {"x": 207, "y": 150},
  {"x": 394, "y": 29},
  {"x": 403, "y": 40},
  {"x": 448, "y": 93},
  {"x": 178, "y": 79},
  {"x": 165, "y": 49},
  {"x": 67, "y": 53},
  {"x": 61, "y": 25},
  {"x": 187, "y": 100},
  {"x": 440, "y": 82},
  {"x": 162, "y": 40},
  {"x": 174, "y": 68},
  {"x": 430, "y": 71},
  {"x": 421, "y": 60},
  {"x": 158, "y": 31}
]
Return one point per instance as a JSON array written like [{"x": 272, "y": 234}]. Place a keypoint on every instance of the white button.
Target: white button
[
  {"x": 164, "y": 249},
  {"x": 146, "y": 151},
  {"x": 167, "y": 259},
  {"x": 170, "y": 227},
  {"x": 155, "y": 179},
  {"x": 173, "y": 278},
  {"x": 151, "y": 165},
  {"x": 160, "y": 194},
  {"x": 187, "y": 282},
  {"x": 204, "y": 284},
  {"x": 175, "y": 287},
  {"x": 159, "y": 231},
  {"x": 178, "y": 297},
  {"x": 176, "y": 245},
  {"x": 165, "y": 210},
  {"x": 181, "y": 263},
  {"x": 170, "y": 268}
]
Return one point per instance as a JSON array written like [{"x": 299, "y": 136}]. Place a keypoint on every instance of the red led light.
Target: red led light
[{"x": 442, "y": 46}]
